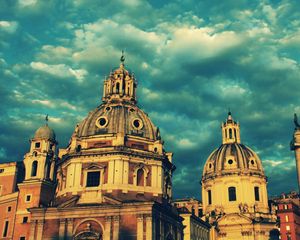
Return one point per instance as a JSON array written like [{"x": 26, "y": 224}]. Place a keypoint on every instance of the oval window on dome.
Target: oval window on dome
[
  {"x": 252, "y": 162},
  {"x": 137, "y": 124},
  {"x": 102, "y": 122},
  {"x": 107, "y": 109}
]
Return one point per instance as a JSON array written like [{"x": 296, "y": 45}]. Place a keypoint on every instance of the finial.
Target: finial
[
  {"x": 122, "y": 59},
  {"x": 47, "y": 119},
  {"x": 297, "y": 125},
  {"x": 229, "y": 112}
]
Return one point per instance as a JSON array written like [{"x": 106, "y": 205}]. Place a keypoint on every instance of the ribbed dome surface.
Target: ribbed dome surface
[
  {"x": 111, "y": 118},
  {"x": 45, "y": 132},
  {"x": 234, "y": 157}
]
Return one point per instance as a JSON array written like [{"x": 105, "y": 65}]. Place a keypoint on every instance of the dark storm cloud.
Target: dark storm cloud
[{"x": 193, "y": 60}]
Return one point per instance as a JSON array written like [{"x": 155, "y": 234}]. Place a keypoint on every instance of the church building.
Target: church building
[
  {"x": 112, "y": 181},
  {"x": 234, "y": 190}
]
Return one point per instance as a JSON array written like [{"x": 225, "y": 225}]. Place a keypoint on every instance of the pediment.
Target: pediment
[{"x": 231, "y": 219}]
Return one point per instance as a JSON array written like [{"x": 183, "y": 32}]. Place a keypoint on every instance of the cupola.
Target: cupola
[{"x": 230, "y": 130}]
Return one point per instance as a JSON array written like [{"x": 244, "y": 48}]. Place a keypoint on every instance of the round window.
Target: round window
[
  {"x": 107, "y": 109},
  {"x": 131, "y": 110},
  {"x": 102, "y": 122},
  {"x": 137, "y": 124},
  {"x": 209, "y": 165},
  {"x": 230, "y": 161},
  {"x": 252, "y": 162}
]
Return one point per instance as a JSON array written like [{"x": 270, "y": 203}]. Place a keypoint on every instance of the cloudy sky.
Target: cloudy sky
[{"x": 193, "y": 60}]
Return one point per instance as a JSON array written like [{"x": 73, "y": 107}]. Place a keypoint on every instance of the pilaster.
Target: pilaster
[
  {"x": 140, "y": 227},
  {"x": 69, "y": 227},
  {"x": 116, "y": 227},
  {"x": 149, "y": 228},
  {"x": 107, "y": 228},
  {"x": 62, "y": 228},
  {"x": 40, "y": 227},
  {"x": 32, "y": 230}
]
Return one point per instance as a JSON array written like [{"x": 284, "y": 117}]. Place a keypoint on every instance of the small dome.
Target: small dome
[
  {"x": 230, "y": 159},
  {"x": 45, "y": 132},
  {"x": 112, "y": 118}
]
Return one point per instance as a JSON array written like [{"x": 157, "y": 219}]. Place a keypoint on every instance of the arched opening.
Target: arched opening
[
  {"x": 34, "y": 167},
  {"x": 232, "y": 194},
  {"x": 274, "y": 234},
  {"x": 235, "y": 133},
  {"x": 117, "y": 87},
  {"x": 88, "y": 235},
  {"x": 140, "y": 177},
  {"x": 230, "y": 133}
]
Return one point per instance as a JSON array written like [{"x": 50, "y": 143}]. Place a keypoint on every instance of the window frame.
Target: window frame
[
  {"x": 30, "y": 198},
  {"x": 5, "y": 228},
  {"x": 256, "y": 194},
  {"x": 99, "y": 179},
  {"x": 209, "y": 197},
  {"x": 231, "y": 191}
]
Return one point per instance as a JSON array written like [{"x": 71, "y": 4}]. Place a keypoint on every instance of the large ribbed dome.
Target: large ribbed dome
[
  {"x": 45, "y": 132},
  {"x": 230, "y": 158},
  {"x": 111, "y": 118}
]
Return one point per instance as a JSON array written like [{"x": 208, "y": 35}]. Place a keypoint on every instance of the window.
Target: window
[
  {"x": 5, "y": 230},
  {"x": 37, "y": 145},
  {"x": 9, "y": 209},
  {"x": 28, "y": 198},
  {"x": 140, "y": 177},
  {"x": 285, "y": 206},
  {"x": 288, "y": 228},
  {"x": 34, "y": 167},
  {"x": 232, "y": 194},
  {"x": 286, "y": 218},
  {"x": 1, "y": 170},
  {"x": 209, "y": 197},
  {"x": 256, "y": 193},
  {"x": 117, "y": 87},
  {"x": 25, "y": 219},
  {"x": 22, "y": 238},
  {"x": 93, "y": 179}
]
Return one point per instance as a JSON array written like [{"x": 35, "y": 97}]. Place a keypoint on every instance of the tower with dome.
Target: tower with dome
[{"x": 234, "y": 189}]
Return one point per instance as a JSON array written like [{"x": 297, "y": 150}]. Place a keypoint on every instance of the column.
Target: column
[
  {"x": 107, "y": 228},
  {"x": 140, "y": 225},
  {"x": 149, "y": 231},
  {"x": 40, "y": 226},
  {"x": 69, "y": 227},
  {"x": 116, "y": 227},
  {"x": 62, "y": 228},
  {"x": 32, "y": 230}
]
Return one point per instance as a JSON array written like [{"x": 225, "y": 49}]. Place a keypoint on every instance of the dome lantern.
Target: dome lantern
[
  {"x": 120, "y": 85},
  {"x": 230, "y": 131}
]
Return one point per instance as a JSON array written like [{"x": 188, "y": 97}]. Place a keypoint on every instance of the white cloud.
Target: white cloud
[
  {"x": 60, "y": 70},
  {"x": 8, "y": 26},
  {"x": 25, "y": 3}
]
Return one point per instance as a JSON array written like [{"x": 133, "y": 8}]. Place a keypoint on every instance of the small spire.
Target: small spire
[
  {"x": 47, "y": 119},
  {"x": 229, "y": 112},
  {"x": 229, "y": 115},
  {"x": 122, "y": 59}
]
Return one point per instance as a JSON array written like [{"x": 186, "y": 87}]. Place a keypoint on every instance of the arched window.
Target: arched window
[
  {"x": 34, "y": 167},
  {"x": 232, "y": 194},
  {"x": 117, "y": 87},
  {"x": 140, "y": 177},
  {"x": 256, "y": 193},
  {"x": 230, "y": 133},
  {"x": 235, "y": 133}
]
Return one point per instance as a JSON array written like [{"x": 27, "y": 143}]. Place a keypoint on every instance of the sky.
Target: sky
[{"x": 193, "y": 61}]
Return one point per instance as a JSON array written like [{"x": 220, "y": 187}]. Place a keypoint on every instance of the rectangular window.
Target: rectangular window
[
  {"x": 0, "y": 190},
  {"x": 25, "y": 219},
  {"x": 93, "y": 179},
  {"x": 256, "y": 193},
  {"x": 9, "y": 209},
  {"x": 5, "y": 230},
  {"x": 209, "y": 197},
  {"x": 285, "y": 206},
  {"x": 22, "y": 238},
  {"x": 37, "y": 145},
  {"x": 286, "y": 218},
  {"x": 232, "y": 194},
  {"x": 28, "y": 198},
  {"x": 288, "y": 228}
]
